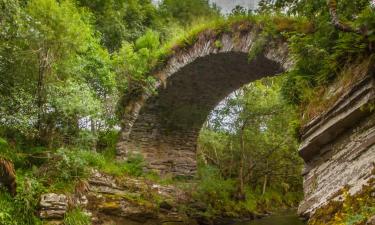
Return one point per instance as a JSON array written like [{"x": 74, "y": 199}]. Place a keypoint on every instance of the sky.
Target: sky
[{"x": 228, "y": 5}]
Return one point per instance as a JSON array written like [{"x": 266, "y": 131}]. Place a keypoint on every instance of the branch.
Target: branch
[{"x": 332, "y": 5}]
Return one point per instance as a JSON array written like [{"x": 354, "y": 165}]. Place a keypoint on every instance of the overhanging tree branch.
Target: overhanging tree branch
[{"x": 332, "y": 6}]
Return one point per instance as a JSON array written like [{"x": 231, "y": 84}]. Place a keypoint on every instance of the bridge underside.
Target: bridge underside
[{"x": 168, "y": 125}]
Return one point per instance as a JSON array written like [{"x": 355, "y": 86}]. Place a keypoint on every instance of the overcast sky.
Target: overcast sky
[{"x": 228, "y": 5}]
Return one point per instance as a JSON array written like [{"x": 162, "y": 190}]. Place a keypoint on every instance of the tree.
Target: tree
[
  {"x": 257, "y": 142},
  {"x": 185, "y": 12},
  {"x": 51, "y": 46},
  {"x": 123, "y": 20},
  {"x": 239, "y": 10}
]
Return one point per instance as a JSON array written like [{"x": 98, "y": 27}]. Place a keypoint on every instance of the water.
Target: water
[{"x": 286, "y": 218}]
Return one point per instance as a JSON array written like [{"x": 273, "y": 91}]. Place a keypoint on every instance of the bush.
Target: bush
[
  {"x": 107, "y": 142},
  {"x": 7, "y": 208},
  {"x": 21, "y": 209},
  {"x": 5, "y": 150},
  {"x": 215, "y": 192},
  {"x": 71, "y": 165}
]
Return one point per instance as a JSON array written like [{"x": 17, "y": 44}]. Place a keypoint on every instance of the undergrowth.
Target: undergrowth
[
  {"x": 322, "y": 97},
  {"x": 77, "y": 217},
  {"x": 40, "y": 171},
  {"x": 21, "y": 209},
  {"x": 353, "y": 210},
  {"x": 217, "y": 195}
]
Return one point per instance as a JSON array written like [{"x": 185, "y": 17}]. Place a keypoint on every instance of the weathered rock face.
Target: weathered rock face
[
  {"x": 110, "y": 200},
  {"x": 371, "y": 221},
  {"x": 53, "y": 206},
  {"x": 165, "y": 127},
  {"x": 339, "y": 148}
]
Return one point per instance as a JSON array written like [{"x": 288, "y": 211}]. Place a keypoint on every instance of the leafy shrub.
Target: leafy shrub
[
  {"x": 85, "y": 139},
  {"x": 321, "y": 55},
  {"x": 134, "y": 165},
  {"x": 21, "y": 209},
  {"x": 4, "y": 149},
  {"x": 107, "y": 143},
  {"x": 215, "y": 191},
  {"x": 28, "y": 192},
  {"x": 7, "y": 208},
  {"x": 71, "y": 165}
]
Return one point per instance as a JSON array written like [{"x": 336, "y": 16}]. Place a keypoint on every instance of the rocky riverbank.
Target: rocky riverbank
[{"x": 111, "y": 200}]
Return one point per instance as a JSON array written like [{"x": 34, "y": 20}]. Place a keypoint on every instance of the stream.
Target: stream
[{"x": 285, "y": 218}]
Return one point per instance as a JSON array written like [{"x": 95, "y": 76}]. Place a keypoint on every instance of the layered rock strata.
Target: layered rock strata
[
  {"x": 339, "y": 147},
  {"x": 110, "y": 200}
]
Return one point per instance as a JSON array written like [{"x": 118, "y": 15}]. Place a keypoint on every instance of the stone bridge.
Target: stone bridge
[
  {"x": 165, "y": 127},
  {"x": 338, "y": 146}
]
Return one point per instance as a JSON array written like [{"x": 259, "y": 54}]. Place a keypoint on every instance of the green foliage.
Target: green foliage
[
  {"x": 321, "y": 55},
  {"x": 77, "y": 217},
  {"x": 186, "y": 12},
  {"x": 64, "y": 64},
  {"x": 82, "y": 101},
  {"x": 72, "y": 165},
  {"x": 217, "y": 193},
  {"x": 28, "y": 191},
  {"x": 7, "y": 208},
  {"x": 253, "y": 131},
  {"x": 4, "y": 149},
  {"x": 258, "y": 47},
  {"x": 120, "y": 21},
  {"x": 21, "y": 209},
  {"x": 214, "y": 191},
  {"x": 212, "y": 188},
  {"x": 52, "y": 54},
  {"x": 354, "y": 209},
  {"x": 140, "y": 58}
]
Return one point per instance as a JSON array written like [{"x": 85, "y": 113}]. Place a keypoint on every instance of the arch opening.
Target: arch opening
[{"x": 168, "y": 125}]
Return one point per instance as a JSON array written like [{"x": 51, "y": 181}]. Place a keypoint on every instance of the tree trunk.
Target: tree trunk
[
  {"x": 40, "y": 98},
  {"x": 265, "y": 179},
  {"x": 264, "y": 184},
  {"x": 241, "y": 193},
  {"x": 241, "y": 190}
]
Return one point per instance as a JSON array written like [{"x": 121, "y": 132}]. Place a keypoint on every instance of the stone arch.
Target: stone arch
[{"x": 165, "y": 127}]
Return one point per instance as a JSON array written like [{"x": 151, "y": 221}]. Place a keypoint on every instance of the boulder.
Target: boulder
[
  {"x": 371, "y": 221},
  {"x": 53, "y": 206}
]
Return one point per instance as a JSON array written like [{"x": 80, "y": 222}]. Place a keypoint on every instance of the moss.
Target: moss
[
  {"x": 353, "y": 210},
  {"x": 218, "y": 44},
  {"x": 110, "y": 205},
  {"x": 143, "y": 199},
  {"x": 274, "y": 26},
  {"x": 235, "y": 25}
]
